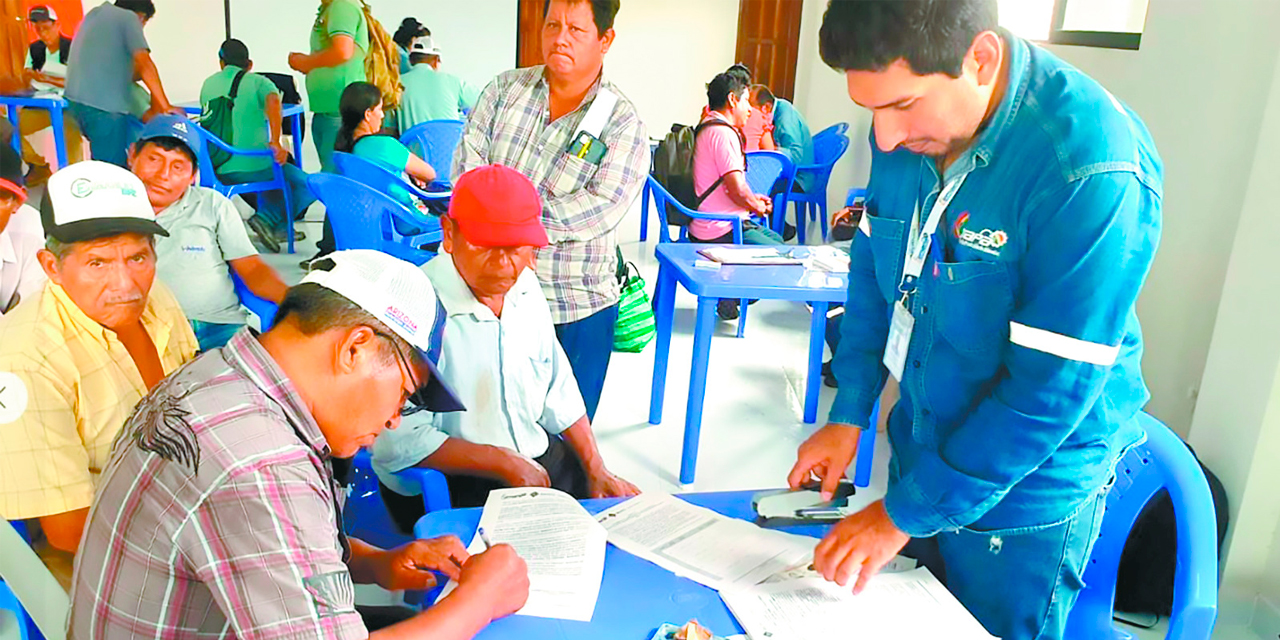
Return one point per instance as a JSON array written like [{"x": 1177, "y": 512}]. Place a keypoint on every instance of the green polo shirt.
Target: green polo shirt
[
  {"x": 432, "y": 95},
  {"x": 248, "y": 117},
  {"x": 325, "y": 85}
]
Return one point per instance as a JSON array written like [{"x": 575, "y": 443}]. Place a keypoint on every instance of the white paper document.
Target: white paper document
[
  {"x": 700, "y": 544},
  {"x": 559, "y": 541},
  {"x": 911, "y": 605}
]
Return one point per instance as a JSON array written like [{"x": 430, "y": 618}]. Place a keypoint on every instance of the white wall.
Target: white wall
[
  {"x": 1200, "y": 81},
  {"x": 666, "y": 51}
]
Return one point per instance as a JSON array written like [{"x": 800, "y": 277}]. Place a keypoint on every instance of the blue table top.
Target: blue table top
[
  {"x": 636, "y": 596},
  {"x": 757, "y": 282},
  {"x": 42, "y": 100},
  {"x": 286, "y": 110}
]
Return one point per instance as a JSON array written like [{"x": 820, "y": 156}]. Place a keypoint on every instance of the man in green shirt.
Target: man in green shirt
[
  {"x": 429, "y": 93},
  {"x": 339, "y": 43},
  {"x": 256, "y": 125}
]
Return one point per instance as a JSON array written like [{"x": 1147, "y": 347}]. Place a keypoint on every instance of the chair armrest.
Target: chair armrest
[{"x": 435, "y": 489}]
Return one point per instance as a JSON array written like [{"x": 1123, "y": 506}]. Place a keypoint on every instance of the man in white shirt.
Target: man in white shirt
[
  {"x": 47, "y": 71},
  {"x": 21, "y": 236},
  {"x": 526, "y": 424}
]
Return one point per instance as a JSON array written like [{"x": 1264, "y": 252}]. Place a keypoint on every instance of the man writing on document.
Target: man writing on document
[{"x": 1013, "y": 214}]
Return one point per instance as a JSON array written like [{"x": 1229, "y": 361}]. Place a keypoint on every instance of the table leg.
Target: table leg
[
  {"x": 58, "y": 120},
  {"x": 297, "y": 142},
  {"x": 697, "y": 387},
  {"x": 664, "y": 302},
  {"x": 813, "y": 381},
  {"x": 17, "y": 130}
]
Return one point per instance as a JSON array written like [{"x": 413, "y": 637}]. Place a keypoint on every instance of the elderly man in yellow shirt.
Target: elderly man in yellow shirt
[{"x": 76, "y": 357}]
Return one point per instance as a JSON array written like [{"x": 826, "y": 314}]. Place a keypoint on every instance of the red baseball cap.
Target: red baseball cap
[{"x": 496, "y": 206}]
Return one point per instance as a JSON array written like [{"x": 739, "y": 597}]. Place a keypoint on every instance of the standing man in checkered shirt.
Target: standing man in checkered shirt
[{"x": 568, "y": 129}]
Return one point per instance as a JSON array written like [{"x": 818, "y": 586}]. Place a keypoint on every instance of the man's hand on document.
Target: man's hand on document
[
  {"x": 863, "y": 544},
  {"x": 826, "y": 454},
  {"x": 498, "y": 577},
  {"x": 519, "y": 470},
  {"x": 409, "y": 566},
  {"x": 603, "y": 484}
]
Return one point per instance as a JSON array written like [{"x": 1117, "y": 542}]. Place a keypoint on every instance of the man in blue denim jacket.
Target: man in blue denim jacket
[{"x": 1012, "y": 217}]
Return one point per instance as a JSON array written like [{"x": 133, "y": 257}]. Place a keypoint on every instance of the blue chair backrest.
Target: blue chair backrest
[
  {"x": 261, "y": 307},
  {"x": 839, "y": 129},
  {"x": 661, "y": 200},
  {"x": 361, "y": 217},
  {"x": 1162, "y": 462},
  {"x": 435, "y": 142},
  {"x": 827, "y": 151},
  {"x": 364, "y": 515},
  {"x": 374, "y": 174},
  {"x": 208, "y": 178},
  {"x": 764, "y": 168}
]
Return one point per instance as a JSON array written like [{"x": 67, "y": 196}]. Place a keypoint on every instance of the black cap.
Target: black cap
[
  {"x": 11, "y": 176},
  {"x": 234, "y": 52},
  {"x": 42, "y": 13}
]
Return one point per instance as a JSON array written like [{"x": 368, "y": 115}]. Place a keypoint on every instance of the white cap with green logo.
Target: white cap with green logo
[{"x": 91, "y": 200}]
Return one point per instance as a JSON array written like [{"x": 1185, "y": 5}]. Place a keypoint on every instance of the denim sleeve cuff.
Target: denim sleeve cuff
[
  {"x": 911, "y": 512},
  {"x": 852, "y": 407}
]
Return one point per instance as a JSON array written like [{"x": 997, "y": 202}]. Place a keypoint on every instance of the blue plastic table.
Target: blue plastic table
[
  {"x": 291, "y": 113},
  {"x": 676, "y": 264},
  {"x": 636, "y": 596},
  {"x": 54, "y": 104}
]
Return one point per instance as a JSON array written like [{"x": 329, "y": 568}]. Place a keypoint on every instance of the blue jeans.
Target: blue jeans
[
  {"x": 324, "y": 133},
  {"x": 589, "y": 343},
  {"x": 1019, "y": 583},
  {"x": 212, "y": 336},
  {"x": 752, "y": 233},
  {"x": 270, "y": 204},
  {"x": 109, "y": 134}
]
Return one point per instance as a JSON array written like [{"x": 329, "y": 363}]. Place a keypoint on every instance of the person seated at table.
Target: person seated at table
[
  {"x": 526, "y": 423},
  {"x": 791, "y": 133},
  {"x": 78, "y": 355},
  {"x": 111, "y": 53},
  {"x": 207, "y": 240},
  {"x": 362, "y": 117},
  {"x": 719, "y": 174},
  {"x": 256, "y": 124},
  {"x": 47, "y": 71},
  {"x": 237, "y": 529},
  {"x": 20, "y": 236}
]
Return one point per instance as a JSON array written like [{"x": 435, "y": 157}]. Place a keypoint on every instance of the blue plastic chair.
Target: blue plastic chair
[
  {"x": 366, "y": 517},
  {"x": 646, "y": 196},
  {"x": 1163, "y": 462},
  {"x": 435, "y": 141},
  {"x": 385, "y": 180},
  {"x": 261, "y": 307},
  {"x": 827, "y": 151},
  {"x": 12, "y": 611},
  {"x": 362, "y": 218},
  {"x": 839, "y": 129},
  {"x": 776, "y": 165},
  {"x": 209, "y": 179}
]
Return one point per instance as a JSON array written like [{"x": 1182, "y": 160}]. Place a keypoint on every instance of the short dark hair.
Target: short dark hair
[
  {"x": 169, "y": 143},
  {"x": 740, "y": 70},
  {"x": 316, "y": 309},
  {"x": 602, "y": 11},
  {"x": 933, "y": 36},
  {"x": 146, "y": 8},
  {"x": 761, "y": 95},
  {"x": 409, "y": 29},
  {"x": 723, "y": 86}
]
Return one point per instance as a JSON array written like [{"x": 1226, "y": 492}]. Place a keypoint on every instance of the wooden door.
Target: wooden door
[
  {"x": 529, "y": 33},
  {"x": 769, "y": 41}
]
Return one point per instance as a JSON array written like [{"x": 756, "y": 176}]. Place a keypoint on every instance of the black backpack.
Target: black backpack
[
  {"x": 673, "y": 167},
  {"x": 217, "y": 119},
  {"x": 1144, "y": 582}
]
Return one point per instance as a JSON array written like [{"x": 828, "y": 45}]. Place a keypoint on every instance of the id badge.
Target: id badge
[{"x": 895, "y": 350}]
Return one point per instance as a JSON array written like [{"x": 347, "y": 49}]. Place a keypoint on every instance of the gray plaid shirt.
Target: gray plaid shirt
[{"x": 582, "y": 202}]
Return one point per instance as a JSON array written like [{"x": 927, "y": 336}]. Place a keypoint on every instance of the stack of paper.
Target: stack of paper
[
  {"x": 559, "y": 541},
  {"x": 750, "y": 255}
]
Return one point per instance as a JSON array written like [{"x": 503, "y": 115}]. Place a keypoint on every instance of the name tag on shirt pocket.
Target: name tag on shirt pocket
[
  {"x": 570, "y": 174},
  {"x": 973, "y": 303}
]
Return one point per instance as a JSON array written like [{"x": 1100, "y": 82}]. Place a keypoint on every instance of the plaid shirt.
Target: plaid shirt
[
  {"x": 217, "y": 516},
  {"x": 582, "y": 202}
]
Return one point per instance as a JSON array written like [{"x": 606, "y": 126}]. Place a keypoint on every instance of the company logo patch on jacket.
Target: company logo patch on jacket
[{"x": 988, "y": 241}]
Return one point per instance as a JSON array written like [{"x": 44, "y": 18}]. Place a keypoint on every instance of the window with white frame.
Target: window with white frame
[{"x": 1114, "y": 24}]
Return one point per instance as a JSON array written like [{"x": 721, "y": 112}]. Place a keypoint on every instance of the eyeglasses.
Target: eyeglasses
[{"x": 417, "y": 401}]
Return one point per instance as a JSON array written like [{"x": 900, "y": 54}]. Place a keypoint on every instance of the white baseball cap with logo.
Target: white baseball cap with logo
[
  {"x": 400, "y": 296},
  {"x": 91, "y": 200},
  {"x": 424, "y": 44}
]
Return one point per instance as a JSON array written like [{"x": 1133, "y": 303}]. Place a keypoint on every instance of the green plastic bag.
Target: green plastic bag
[{"x": 635, "y": 327}]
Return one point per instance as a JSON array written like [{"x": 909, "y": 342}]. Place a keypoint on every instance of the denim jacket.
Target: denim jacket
[{"x": 1023, "y": 378}]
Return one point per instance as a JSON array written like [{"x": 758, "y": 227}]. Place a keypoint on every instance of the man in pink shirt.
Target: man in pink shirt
[{"x": 719, "y": 172}]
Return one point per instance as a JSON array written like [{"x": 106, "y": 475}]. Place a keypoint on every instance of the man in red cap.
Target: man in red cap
[{"x": 525, "y": 424}]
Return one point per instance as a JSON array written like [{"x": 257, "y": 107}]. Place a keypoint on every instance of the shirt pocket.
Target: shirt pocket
[
  {"x": 569, "y": 174},
  {"x": 974, "y": 303},
  {"x": 888, "y": 247}
]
